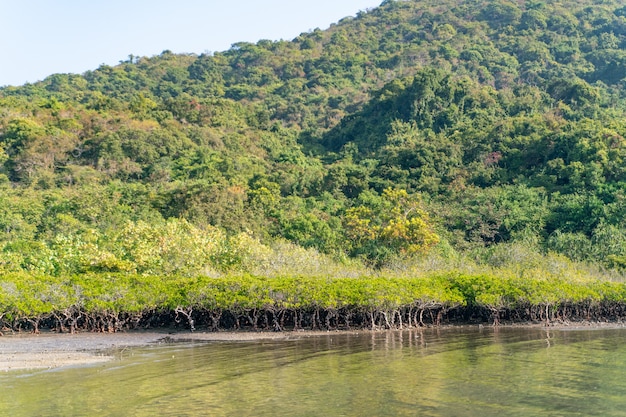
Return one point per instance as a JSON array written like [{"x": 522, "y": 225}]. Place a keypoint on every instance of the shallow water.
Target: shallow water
[{"x": 446, "y": 372}]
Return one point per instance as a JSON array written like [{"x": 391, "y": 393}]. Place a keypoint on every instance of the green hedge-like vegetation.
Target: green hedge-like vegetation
[{"x": 113, "y": 302}]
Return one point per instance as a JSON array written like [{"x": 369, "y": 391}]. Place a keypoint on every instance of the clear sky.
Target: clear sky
[{"x": 43, "y": 37}]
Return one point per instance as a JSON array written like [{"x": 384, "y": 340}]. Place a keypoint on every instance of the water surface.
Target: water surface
[{"x": 434, "y": 372}]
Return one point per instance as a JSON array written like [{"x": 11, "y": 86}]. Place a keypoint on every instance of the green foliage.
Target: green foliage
[
  {"x": 109, "y": 301},
  {"x": 503, "y": 122}
]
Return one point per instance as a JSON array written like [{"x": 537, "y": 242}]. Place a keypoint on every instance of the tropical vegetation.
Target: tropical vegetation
[{"x": 413, "y": 140}]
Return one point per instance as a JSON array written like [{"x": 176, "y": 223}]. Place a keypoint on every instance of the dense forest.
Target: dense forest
[{"x": 414, "y": 138}]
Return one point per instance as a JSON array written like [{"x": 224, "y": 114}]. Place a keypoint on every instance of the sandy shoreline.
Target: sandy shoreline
[{"x": 52, "y": 350}]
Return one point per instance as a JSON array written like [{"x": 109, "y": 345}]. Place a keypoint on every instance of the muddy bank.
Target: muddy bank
[
  {"x": 47, "y": 350},
  {"x": 52, "y": 350}
]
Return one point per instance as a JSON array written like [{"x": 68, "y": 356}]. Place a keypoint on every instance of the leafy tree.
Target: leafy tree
[{"x": 392, "y": 223}]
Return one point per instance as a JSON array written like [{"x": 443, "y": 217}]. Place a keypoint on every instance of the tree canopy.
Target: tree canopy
[{"x": 414, "y": 126}]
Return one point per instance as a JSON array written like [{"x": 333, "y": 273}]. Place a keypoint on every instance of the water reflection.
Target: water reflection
[{"x": 425, "y": 372}]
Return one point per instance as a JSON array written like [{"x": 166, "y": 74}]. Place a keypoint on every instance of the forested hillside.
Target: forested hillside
[{"x": 486, "y": 131}]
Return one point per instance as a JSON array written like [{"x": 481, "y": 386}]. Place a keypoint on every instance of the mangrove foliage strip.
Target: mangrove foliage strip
[{"x": 114, "y": 302}]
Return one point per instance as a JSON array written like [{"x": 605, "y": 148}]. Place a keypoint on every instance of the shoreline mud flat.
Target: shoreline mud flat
[
  {"x": 22, "y": 351},
  {"x": 48, "y": 350}
]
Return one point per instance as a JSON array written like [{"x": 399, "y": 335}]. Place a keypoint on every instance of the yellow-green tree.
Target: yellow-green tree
[{"x": 394, "y": 223}]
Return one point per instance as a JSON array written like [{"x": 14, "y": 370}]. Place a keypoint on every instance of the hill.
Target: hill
[{"x": 416, "y": 128}]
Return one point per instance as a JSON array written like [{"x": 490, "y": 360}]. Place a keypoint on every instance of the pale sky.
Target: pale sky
[{"x": 43, "y": 37}]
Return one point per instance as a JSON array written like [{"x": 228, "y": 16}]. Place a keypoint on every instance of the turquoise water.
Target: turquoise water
[{"x": 446, "y": 372}]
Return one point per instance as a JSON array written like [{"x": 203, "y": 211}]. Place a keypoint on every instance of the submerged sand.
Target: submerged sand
[{"x": 52, "y": 350}]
